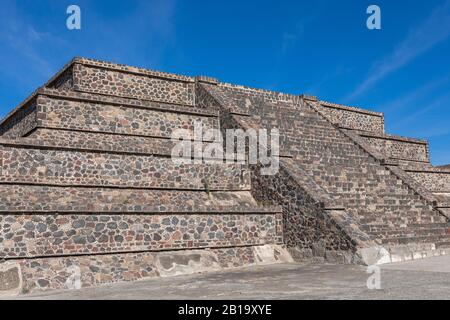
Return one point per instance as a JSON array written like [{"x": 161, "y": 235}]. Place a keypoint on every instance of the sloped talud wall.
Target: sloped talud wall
[
  {"x": 40, "y": 235},
  {"x": 123, "y": 81},
  {"x": 312, "y": 227},
  {"x": 21, "y": 164},
  {"x": 29, "y": 275}
]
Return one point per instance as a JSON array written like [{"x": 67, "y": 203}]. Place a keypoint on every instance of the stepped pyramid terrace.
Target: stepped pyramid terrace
[{"x": 91, "y": 195}]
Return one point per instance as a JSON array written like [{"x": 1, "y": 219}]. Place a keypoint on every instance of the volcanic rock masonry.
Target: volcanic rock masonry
[{"x": 90, "y": 194}]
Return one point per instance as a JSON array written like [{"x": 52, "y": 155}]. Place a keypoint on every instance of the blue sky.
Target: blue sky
[{"x": 316, "y": 47}]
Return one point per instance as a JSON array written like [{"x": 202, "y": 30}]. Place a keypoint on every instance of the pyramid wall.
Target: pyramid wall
[{"x": 89, "y": 191}]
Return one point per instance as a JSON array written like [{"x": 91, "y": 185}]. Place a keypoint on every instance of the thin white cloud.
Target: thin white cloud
[
  {"x": 412, "y": 97},
  {"x": 440, "y": 102},
  {"x": 432, "y": 31},
  {"x": 291, "y": 37},
  {"x": 22, "y": 40},
  {"x": 436, "y": 131},
  {"x": 327, "y": 78}
]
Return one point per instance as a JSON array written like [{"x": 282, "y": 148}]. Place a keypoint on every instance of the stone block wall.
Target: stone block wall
[
  {"x": 63, "y": 80},
  {"x": 79, "y": 168},
  {"x": 101, "y": 117},
  {"x": 353, "y": 118},
  {"x": 100, "y": 141},
  {"x": 400, "y": 148},
  {"x": 434, "y": 180},
  {"x": 244, "y": 100},
  {"x": 114, "y": 80},
  {"x": 87, "y": 112},
  {"x": 22, "y": 198},
  {"x": 20, "y": 122},
  {"x": 38, "y": 235},
  {"x": 61, "y": 272},
  {"x": 111, "y": 82},
  {"x": 115, "y": 143}
]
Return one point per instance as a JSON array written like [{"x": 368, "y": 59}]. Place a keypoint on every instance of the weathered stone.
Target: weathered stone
[
  {"x": 87, "y": 182},
  {"x": 10, "y": 279}
]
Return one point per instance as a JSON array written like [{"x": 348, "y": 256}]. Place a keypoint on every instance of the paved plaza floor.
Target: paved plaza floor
[{"x": 418, "y": 279}]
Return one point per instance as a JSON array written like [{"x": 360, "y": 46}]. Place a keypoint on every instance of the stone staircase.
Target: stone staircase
[
  {"x": 403, "y": 220},
  {"x": 90, "y": 194}
]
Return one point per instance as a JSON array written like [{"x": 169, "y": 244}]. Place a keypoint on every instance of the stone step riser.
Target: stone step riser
[
  {"x": 122, "y": 144},
  {"x": 56, "y": 167},
  {"x": 414, "y": 239},
  {"x": 398, "y": 149},
  {"x": 100, "y": 117},
  {"x": 411, "y": 227},
  {"x": 352, "y": 118},
  {"x": 433, "y": 181},
  {"x": 40, "y": 235},
  {"x": 441, "y": 232},
  {"x": 36, "y": 199},
  {"x": 400, "y": 222},
  {"x": 110, "y": 80}
]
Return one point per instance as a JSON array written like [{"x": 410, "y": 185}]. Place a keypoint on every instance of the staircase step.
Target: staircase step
[
  {"x": 380, "y": 219},
  {"x": 413, "y": 251},
  {"x": 417, "y": 239},
  {"x": 384, "y": 227},
  {"x": 408, "y": 232},
  {"x": 443, "y": 244}
]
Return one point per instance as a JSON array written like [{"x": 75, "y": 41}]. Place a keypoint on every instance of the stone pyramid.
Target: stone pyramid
[{"x": 91, "y": 195}]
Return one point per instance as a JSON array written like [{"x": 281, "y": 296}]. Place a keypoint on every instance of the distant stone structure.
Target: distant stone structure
[{"x": 89, "y": 194}]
